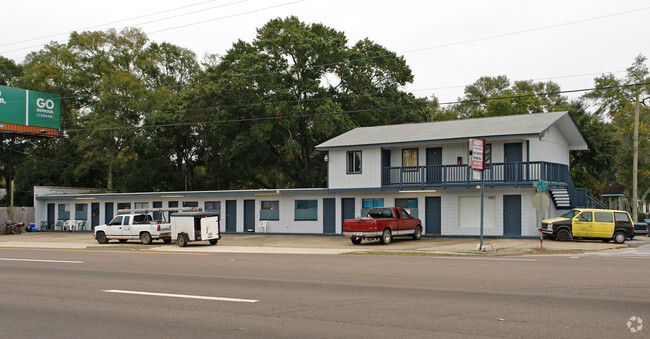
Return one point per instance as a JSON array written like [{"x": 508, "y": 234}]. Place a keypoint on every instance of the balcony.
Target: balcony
[
  {"x": 517, "y": 174},
  {"x": 505, "y": 175}
]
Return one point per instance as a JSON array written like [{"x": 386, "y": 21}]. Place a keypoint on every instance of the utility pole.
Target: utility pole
[{"x": 635, "y": 162}]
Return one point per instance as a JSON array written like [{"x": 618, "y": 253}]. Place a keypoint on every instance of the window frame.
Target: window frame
[
  {"x": 295, "y": 217},
  {"x": 417, "y": 159},
  {"x": 350, "y": 157},
  {"x": 277, "y": 210}
]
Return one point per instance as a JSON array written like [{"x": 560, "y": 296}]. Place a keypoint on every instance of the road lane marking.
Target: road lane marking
[
  {"x": 43, "y": 260},
  {"x": 483, "y": 258},
  {"x": 187, "y": 296},
  {"x": 98, "y": 251}
]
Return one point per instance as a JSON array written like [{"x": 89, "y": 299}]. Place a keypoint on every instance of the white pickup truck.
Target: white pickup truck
[{"x": 133, "y": 226}]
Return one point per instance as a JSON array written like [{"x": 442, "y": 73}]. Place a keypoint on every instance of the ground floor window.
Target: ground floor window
[
  {"x": 141, "y": 205},
  {"x": 270, "y": 210},
  {"x": 367, "y": 204},
  {"x": 409, "y": 203},
  {"x": 64, "y": 212},
  {"x": 123, "y": 205},
  {"x": 213, "y": 206},
  {"x": 469, "y": 211},
  {"x": 81, "y": 211},
  {"x": 190, "y": 204},
  {"x": 306, "y": 210}
]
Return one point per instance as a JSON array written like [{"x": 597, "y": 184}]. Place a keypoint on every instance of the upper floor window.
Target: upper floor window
[
  {"x": 354, "y": 162},
  {"x": 410, "y": 157}
]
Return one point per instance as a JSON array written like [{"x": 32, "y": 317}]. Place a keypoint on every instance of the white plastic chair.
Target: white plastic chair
[{"x": 263, "y": 226}]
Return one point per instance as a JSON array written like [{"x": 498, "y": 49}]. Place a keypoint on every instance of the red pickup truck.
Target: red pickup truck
[{"x": 382, "y": 223}]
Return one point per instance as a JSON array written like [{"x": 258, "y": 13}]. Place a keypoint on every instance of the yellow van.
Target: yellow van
[{"x": 588, "y": 223}]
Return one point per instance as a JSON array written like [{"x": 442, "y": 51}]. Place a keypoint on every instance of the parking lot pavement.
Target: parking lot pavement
[{"x": 316, "y": 244}]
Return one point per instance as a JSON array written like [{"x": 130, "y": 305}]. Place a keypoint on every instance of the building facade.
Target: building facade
[{"x": 422, "y": 167}]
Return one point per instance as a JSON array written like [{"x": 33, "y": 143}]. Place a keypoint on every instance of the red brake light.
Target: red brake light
[{"x": 158, "y": 227}]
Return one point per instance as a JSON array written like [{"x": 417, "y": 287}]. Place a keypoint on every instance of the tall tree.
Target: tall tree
[{"x": 284, "y": 88}]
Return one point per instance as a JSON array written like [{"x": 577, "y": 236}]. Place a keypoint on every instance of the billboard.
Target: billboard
[{"x": 29, "y": 112}]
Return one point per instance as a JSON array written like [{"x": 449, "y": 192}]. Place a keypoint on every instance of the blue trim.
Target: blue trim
[{"x": 396, "y": 144}]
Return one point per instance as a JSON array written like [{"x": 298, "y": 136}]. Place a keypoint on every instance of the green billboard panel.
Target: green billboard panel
[{"x": 29, "y": 108}]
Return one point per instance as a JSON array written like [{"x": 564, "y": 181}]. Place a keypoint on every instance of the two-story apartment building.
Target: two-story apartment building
[{"x": 420, "y": 166}]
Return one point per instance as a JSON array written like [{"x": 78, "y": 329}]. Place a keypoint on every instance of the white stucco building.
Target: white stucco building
[{"x": 419, "y": 166}]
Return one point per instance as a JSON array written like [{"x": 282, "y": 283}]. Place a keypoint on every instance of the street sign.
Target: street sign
[
  {"x": 540, "y": 183},
  {"x": 476, "y": 147},
  {"x": 541, "y": 201},
  {"x": 541, "y": 189}
]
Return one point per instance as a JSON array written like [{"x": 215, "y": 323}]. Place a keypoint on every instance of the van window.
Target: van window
[
  {"x": 585, "y": 216},
  {"x": 604, "y": 217},
  {"x": 619, "y": 216}
]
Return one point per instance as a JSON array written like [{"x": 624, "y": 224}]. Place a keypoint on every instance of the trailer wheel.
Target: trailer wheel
[
  {"x": 101, "y": 238},
  {"x": 182, "y": 240},
  {"x": 145, "y": 238},
  {"x": 213, "y": 241}
]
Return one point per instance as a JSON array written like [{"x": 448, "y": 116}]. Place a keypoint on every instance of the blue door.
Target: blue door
[
  {"x": 231, "y": 216},
  {"x": 434, "y": 165},
  {"x": 108, "y": 212},
  {"x": 329, "y": 216},
  {"x": 94, "y": 219},
  {"x": 433, "y": 215},
  {"x": 249, "y": 215},
  {"x": 50, "y": 217},
  {"x": 512, "y": 159},
  {"x": 347, "y": 209},
  {"x": 512, "y": 215}
]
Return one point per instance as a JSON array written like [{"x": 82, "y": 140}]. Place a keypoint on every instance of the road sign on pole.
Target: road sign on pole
[{"x": 540, "y": 183}]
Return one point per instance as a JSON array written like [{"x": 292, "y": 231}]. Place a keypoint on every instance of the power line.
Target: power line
[
  {"x": 106, "y": 24},
  {"x": 352, "y": 111},
  {"x": 382, "y": 55}
]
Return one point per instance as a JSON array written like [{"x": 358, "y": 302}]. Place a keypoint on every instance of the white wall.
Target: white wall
[
  {"x": 370, "y": 175},
  {"x": 551, "y": 148}
]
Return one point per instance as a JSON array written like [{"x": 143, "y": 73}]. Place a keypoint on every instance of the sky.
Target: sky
[{"x": 447, "y": 44}]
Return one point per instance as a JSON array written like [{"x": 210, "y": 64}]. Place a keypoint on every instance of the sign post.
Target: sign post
[
  {"x": 540, "y": 203},
  {"x": 477, "y": 163}
]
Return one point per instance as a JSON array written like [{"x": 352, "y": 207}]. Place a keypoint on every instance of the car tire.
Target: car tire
[
  {"x": 386, "y": 237},
  {"x": 122, "y": 240},
  {"x": 563, "y": 235},
  {"x": 418, "y": 233},
  {"x": 356, "y": 240},
  {"x": 101, "y": 238},
  {"x": 145, "y": 238},
  {"x": 182, "y": 240},
  {"x": 213, "y": 241},
  {"x": 619, "y": 237}
]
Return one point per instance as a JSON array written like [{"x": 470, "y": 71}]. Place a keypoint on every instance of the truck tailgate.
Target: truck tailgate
[{"x": 359, "y": 225}]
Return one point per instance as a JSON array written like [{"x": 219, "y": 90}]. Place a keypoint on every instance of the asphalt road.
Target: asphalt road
[{"x": 89, "y": 293}]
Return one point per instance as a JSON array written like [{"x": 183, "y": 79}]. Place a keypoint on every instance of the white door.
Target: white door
[{"x": 210, "y": 228}]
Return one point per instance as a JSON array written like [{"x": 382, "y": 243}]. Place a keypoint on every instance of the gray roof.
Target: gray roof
[{"x": 523, "y": 125}]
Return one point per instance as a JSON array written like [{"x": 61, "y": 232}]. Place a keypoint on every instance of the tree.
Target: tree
[
  {"x": 494, "y": 96},
  {"x": 284, "y": 87},
  {"x": 619, "y": 100},
  {"x": 8, "y": 71}
]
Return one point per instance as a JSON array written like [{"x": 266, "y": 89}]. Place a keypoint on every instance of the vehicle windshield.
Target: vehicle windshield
[{"x": 570, "y": 214}]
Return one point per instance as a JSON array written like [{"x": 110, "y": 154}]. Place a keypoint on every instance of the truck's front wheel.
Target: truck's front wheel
[
  {"x": 417, "y": 235},
  {"x": 386, "y": 237},
  {"x": 101, "y": 238},
  {"x": 145, "y": 238},
  {"x": 563, "y": 235}
]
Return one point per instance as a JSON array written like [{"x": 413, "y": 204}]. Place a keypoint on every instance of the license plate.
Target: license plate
[{"x": 359, "y": 234}]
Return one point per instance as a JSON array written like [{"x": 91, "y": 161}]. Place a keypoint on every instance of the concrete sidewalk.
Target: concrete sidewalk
[{"x": 313, "y": 244}]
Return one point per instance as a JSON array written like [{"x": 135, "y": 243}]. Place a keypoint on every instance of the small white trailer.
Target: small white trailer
[{"x": 195, "y": 226}]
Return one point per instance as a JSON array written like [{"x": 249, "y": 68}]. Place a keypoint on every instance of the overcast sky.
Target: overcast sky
[{"x": 447, "y": 44}]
